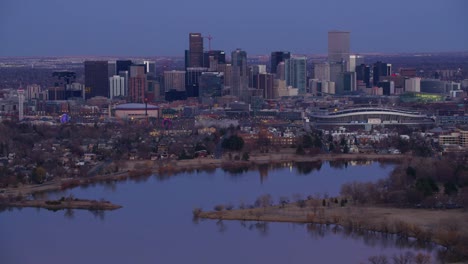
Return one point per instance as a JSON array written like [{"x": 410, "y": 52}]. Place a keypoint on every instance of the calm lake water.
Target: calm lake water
[{"x": 155, "y": 224}]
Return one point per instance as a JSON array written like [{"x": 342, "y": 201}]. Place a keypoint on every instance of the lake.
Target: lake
[{"x": 156, "y": 225}]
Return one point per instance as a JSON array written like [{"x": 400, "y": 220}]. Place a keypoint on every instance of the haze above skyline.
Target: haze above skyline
[{"x": 148, "y": 28}]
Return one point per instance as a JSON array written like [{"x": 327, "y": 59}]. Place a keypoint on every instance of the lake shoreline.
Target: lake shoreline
[
  {"x": 135, "y": 169},
  {"x": 65, "y": 203},
  {"x": 443, "y": 227}
]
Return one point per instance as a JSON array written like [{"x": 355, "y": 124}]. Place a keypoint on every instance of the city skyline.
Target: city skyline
[{"x": 30, "y": 28}]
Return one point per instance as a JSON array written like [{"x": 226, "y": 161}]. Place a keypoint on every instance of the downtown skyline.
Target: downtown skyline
[{"x": 143, "y": 28}]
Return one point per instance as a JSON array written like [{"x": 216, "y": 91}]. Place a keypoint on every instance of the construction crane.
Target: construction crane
[{"x": 209, "y": 37}]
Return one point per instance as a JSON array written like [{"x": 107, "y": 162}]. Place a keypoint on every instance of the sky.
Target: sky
[{"x": 161, "y": 27}]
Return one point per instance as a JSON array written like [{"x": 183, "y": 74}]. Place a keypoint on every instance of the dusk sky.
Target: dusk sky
[{"x": 151, "y": 27}]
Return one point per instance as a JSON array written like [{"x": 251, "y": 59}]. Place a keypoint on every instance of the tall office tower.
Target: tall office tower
[
  {"x": 20, "y": 104},
  {"x": 32, "y": 92},
  {"x": 296, "y": 73},
  {"x": 363, "y": 74},
  {"x": 195, "y": 50},
  {"x": 265, "y": 82},
  {"x": 255, "y": 70},
  {"x": 126, "y": 76},
  {"x": 96, "y": 79},
  {"x": 413, "y": 85},
  {"x": 322, "y": 71},
  {"x": 338, "y": 46},
  {"x": 388, "y": 87},
  {"x": 380, "y": 69},
  {"x": 192, "y": 76},
  {"x": 277, "y": 57},
  {"x": 150, "y": 68},
  {"x": 239, "y": 75},
  {"x": 280, "y": 71},
  {"x": 174, "y": 80},
  {"x": 346, "y": 83},
  {"x": 210, "y": 86},
  {"x": 212, "y": 58},
  {"x": 338, "y": 57},
  {"x": 112, "y": 68},
  {"x": 226, "y": 69},
  {"x": 137, "y": 84},
  {"x": 117, "y": 86},
  {"x": 122, "y": 65},
  {"x": 354, "y": 61}
]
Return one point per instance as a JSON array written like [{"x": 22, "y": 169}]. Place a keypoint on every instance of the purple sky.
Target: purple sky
[{"x": 151, "y": 27}]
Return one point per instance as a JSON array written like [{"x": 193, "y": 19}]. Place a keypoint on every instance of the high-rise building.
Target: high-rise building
[
  {"x": 338, "y": 46},
  {"x": 363, "y": 74},
  {"x": 239, "y": 75},
  {"x": 96, "y": 79},
  {"x": 408, "y": 72},
  {"x": 20, "y": 104},
  {"x": 380, "y": 69},
  {"x": 32, "y": 92},
  {"x": 150, "y": 68},
  {"x": 322, "y": 71},
  {"x": 277, "y": 57},
  {"x": 388, "y": 87},
  {"x": 413, "y": 85},
  {"x": 174, "y": 80},
  {"x": 112, "y": 68},
  {"x": 212, "y": 58},
  {"x": 296, "y": 73},
  {"x": 192, "y": 76},
  {"x": 265, "y": 83},
  {"x": 338, "y": 57},
  {"x": 348, "y": 83},
  {"x": 255, "y": 70},
  {"x": 195, "y": 50},
  {"x": 137, "y": 84},
  {"x": 122, "y": 65},
  {"x": 354, "y": 61},
  {"x": 117, "y": 86},
  {"x": 210, "y": 86},
  {"x": 281, "y": 71}
]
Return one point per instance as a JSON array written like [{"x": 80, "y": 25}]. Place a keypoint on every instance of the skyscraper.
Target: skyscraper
[
  {"x": 338, "y": 46},
  {"x": 117, "y": 86},
  {"x": 192, "y": 76},
  {"x": 239, "y": 74},
  {"x": 150, "y": 68},
  {"x": 296, "y": 73},
  {"x": 174, "y": 80},
  {"x": 195, "y": 50},
  {"x": 381, "y": 69},
  {"x": 212, "y": 58},
  {"x": 137, "y": 84},
  {"x": 96, "y": 79},
  {"x": 277, "y": 57},
  {"x": 322, "y": 71},
  {"x": 122, "y": 65}
]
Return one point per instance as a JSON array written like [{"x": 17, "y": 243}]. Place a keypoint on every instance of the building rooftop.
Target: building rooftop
[{"x": 134, "y": 106}]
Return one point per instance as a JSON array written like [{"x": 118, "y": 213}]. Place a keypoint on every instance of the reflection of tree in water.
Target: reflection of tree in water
[
  {"x": 338, "y": 164},
  {"x": 263, "y": 170},
  {"x": 371, "y": 238},
  {"x": 98, "y": 214},
  {"x": 307, "y": 167},
  {"x": 221, "y": 226},
  {"x": 236, "y": 170},
  {"x": 110, "y": 186},
  {"x": 69, "y": 214}
]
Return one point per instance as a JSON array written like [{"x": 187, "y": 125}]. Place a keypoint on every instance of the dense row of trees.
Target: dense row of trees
[{"x": 420, "y": 181}]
